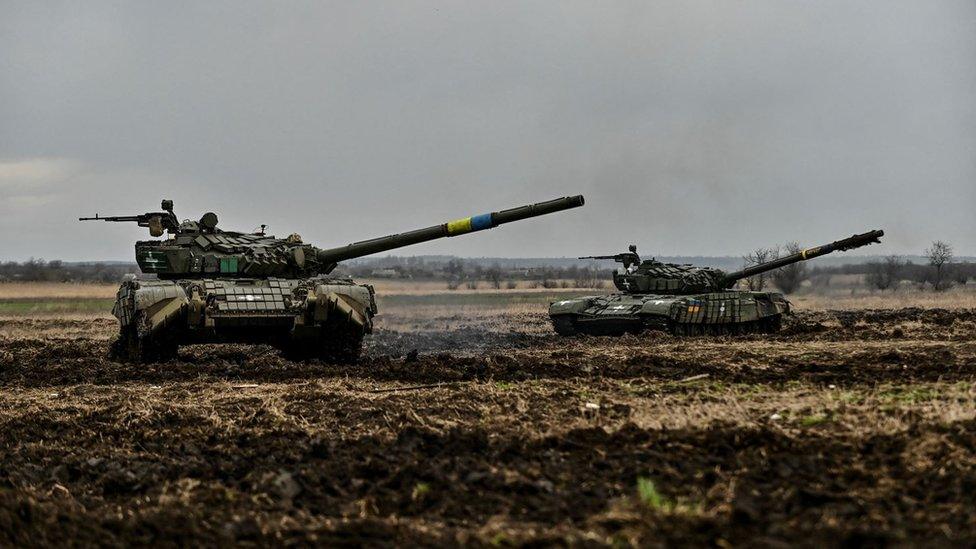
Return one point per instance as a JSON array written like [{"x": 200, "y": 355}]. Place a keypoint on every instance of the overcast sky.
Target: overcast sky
[{"x": 691, "y": 127}]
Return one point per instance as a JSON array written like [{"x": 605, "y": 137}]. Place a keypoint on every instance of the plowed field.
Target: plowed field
[{"x": 848, "y": 427}]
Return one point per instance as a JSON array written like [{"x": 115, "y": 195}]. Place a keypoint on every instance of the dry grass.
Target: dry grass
[
  {"x": 40, "y": 290},
  {"x": 23, "y": 290},
  {"x": 424, "y": 300},
  {"x": 956, "y": 298},
  {"x": 436, "y": 287}
]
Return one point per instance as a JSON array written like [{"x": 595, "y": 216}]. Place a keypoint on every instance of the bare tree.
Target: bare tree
[
  {"x": 939, "y": 255},
  {"x": 757, "y": 282},
  {"x": 789, "y": 278},
  {"x": 885, "y": 274},
  {"x": 494, "y": 276},
  {"x": 455, "y": 268}
]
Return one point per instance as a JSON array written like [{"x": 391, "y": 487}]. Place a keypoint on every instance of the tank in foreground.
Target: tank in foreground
[
  {"x": 684, "y": 299},
  {"x": 217, "y": 286}
]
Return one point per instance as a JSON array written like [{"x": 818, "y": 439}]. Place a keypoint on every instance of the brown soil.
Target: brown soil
[{"x": 853, "y": 427}]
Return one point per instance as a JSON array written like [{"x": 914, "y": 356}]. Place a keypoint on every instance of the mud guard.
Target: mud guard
[
  {"x": 337, "y": 305},
  {"x": 160, "y": 303},
  {"x": 345, "y": 304}
]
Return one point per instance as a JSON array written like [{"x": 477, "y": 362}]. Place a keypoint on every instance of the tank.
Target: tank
[
  {"x": 217, "y": 286},
  {"x": 684, "y": 299}
]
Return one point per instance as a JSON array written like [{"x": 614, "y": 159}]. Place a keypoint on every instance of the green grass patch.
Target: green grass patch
[
  {"x": 813, "y": 420},
  {"x": 420, "y": 490},
  {"x": 652, "y": 499},
  {"x": 649, "y": 496},
  {"x": 32, "y": 306},
  {"x": 851, "y": 397},
  {"x": 912, "y": 395}
]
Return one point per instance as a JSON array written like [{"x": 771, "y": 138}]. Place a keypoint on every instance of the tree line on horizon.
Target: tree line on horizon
[{"x": 939, "y": 272}]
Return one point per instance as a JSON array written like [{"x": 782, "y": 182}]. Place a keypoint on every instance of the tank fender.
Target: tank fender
[
  {"x": 575, "y": 305},
  {"x": 774, "y": 303},
  {"x": 352, "y": 302},
  {"x": 160, "y": 301}
]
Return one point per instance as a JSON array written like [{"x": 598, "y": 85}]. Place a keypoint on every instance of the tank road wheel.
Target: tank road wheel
[
  {"x": 768, "y": 325},
  {"x": 332, "y": 344},
  {"x": 342, "y": 346},
  {"x": 131, "y": 347},
  {"x": 771, "y": 324},
  {"x": 564, "y": 325}
]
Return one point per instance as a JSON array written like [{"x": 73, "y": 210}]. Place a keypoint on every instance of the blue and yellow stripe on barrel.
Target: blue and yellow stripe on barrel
[{"x": 469, "y": 224}]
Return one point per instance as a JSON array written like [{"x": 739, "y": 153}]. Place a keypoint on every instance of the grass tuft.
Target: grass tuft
[
  {"x": 420, "y": 490},
  {"x": 650, "y": 497},
  {"x": 814, "y": 420}
]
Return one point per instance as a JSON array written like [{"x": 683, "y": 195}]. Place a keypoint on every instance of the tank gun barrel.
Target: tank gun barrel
[
  {"x": 451, "y": 228},
  {"x": 856, "y": 241}
]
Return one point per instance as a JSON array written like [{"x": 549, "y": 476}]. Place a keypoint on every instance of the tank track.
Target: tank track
[
  {"x": 768, "y": 325},
  {"x": 567, "y": 326},
  {"x": 335, "y": 344},
  {"x": 133, "y": 346},
  {"x": 339, "y": 343}
]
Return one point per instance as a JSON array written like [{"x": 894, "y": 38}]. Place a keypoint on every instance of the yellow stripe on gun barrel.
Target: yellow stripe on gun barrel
[{"x": 459, "y": 226}]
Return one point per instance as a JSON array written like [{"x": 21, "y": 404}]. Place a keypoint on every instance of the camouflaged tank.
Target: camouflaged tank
[
  {"x": 684, "y": 299},
  {"x": 215, "y": 286}
]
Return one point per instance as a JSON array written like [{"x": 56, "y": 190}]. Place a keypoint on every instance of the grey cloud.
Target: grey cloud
[{"x": 692, "y": 127}]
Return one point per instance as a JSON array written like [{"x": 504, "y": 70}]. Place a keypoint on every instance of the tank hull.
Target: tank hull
[
  {"x": 728, "y": 312},
  {"x": 318, "y": 317}
]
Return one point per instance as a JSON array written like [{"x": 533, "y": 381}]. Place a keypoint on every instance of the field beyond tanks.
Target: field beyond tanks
[{"x": 469, "y": 422}]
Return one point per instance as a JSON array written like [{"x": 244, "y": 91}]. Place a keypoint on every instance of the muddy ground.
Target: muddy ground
[{"x": 847, "y": 428}]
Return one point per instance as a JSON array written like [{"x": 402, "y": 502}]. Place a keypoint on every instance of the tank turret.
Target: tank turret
[
  {"x": 200, "y": 248},
  {"x": 652, "y": 276},
  {"x": 684, "y": 299}
]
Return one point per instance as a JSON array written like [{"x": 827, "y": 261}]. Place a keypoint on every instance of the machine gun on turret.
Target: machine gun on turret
[
  {"x": 629, "y": 258},
  {"x": 158, "y": 222}
]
